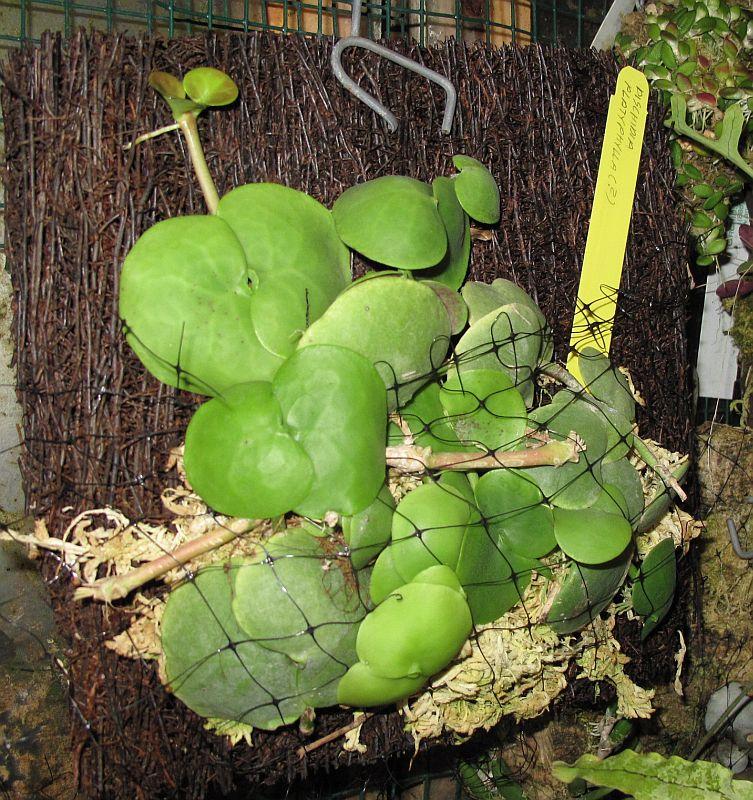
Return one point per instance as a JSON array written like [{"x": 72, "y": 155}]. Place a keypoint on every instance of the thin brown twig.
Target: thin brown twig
[{"x": 302, "y": 751}]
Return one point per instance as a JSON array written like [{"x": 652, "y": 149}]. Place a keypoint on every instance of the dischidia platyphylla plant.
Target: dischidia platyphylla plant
[{"x": 323, "y": 390}]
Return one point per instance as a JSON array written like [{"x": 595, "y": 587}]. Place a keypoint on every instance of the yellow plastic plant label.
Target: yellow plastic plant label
[{"x": 610, "y": 217}]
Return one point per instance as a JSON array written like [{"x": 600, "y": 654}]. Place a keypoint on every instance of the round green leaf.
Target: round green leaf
[
  {"x": 624, "y": 476},
  {"x": 418, "y": 629},
  {"x": 184, "y": 302},
  {"x": 591, "y": 536},
  {"x": 485, "y": 409},
  {"x": 334, "y": 404},
  {"x": 605, "y": 382},
  {"x": 212, "y": 666},
  {"x": 575, "y": 484},
  {"x": 455, "y": 306},
  {"x": 510, "y": 340},
  {"x": 296, "y": 263},
  {"x": 428, "y": 528},
  {"x": 399, "y": 324},
  {"x": 241, "y": 459},
  {"x": 452, "y": 269},
  {"x": 361, "y": 687},
  {"x": 392, "y": 220},
  {"x": 476, "y": 190},
  {"x": 585, "y": 592},
  {"x": 210, "y": 87},
  {"x": 655, "y": 586},
  {"x": 612, "y": 501},
  {"x": 301, "y": 600},
  {"x": 166, "y": 85},
  {"x": 369, "y": 531},
  {"x": 511, "y": 503},
  {"x": 425, "y": 417}
]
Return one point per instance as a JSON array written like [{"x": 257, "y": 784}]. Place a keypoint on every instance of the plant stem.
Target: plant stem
[
  {"x": 190, "y": 131},
  {"x": 743, "y": 699},
  {"x": 330, "y": 737},
  {"x": 145, "y": 137},
  {"x": 119, "y": 586},
  {"x": 646, "y": 453},
  {"x": 415, "y": 459}
]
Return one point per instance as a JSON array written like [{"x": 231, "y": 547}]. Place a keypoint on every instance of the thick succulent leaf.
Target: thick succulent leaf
[
  {"x": 585, "y": 592},
  {"x": 361, "y": 687},
  {"x": 418, "y": 629},
  {"x": 476, "y": 189},
  {"x": 508, "y": 339},
  {"x": 624, "y": 476},
  {"x": 210, "y": 87},
  {"x": 654, "y": 619},
  {"x": 302, "y": 600},
  {"x": 425, "y": 417},
  {"x": 385, "y": 577},
  {"x": 297, "y": 264},
  {"x": 650, "y": 776},
  {"x": 481, "y": 298},
  {"x": 428, "y": 528},
  {"x": 334, "y": 404},
  {"x": 612, "y": 500},
  {"x": 493, "y": 576},
  {"x": 575, "y": 484},
  {"x": 485, "y": 409},
  {"x": 511, "y": 503},
  {"x": 399, "y": 324},
  {"x": 605, "y": 382},
  {"x": 454, "y": 304},
  {"x": 241, "y": 458},
  {"x": 392, "y": 220},
  {"x": 185, "y": 303},
  {"x": 368, "y": 532},
  {"x": 166, "y": 85},
  {"x": 212, "y": 666},
  {"x": 452, "y": 269},
  {"x": 655, "y": 586},
  {"x": 591, "y": 536}
]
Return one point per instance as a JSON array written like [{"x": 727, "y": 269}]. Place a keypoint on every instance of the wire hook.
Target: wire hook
[{"x": 355, "y": 40}]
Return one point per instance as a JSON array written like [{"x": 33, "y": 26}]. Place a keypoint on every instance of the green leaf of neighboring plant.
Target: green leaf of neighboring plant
[
  {"x": 485, "y": 409},
  {"x": 297, "y": 264},
  {"x": 575, "y": 484},
  {"x": 605, "y": 382},
  {"x": 511, "y": 503},
  {"x": 591, "y": 536},
  {"x": 399, "y": 324},
  {"x": 650, "y": 776},
  {"x": 184, "y": 300},
  {"x": 624, "y": 476},
  {"x": 211, "y": 665},
  {"x": 586, "y": 592},
  {"x": 727, "y": 144},
  {"x": 302, "y": 600},
  {"x": 368, "y": 532},
  {"x": 655, "y": 585},
  {"x": 452, "y": 269},
  {"x": 418, "y": 629},
  {"x": 402, "y": 206},
  {"x": 240, "y": 457},
  {"x": 210, "y": 87},
  {"x": 334, "y": 404},
  {"x": 476, "y": 189}
]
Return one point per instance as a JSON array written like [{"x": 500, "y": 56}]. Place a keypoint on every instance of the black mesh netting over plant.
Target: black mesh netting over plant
[{"x": 396, "y": 490}]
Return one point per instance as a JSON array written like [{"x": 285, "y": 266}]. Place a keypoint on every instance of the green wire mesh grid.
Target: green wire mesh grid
[{"x": 572, "y": 22}]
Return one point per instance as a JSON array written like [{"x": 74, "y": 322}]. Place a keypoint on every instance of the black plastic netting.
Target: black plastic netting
[{"x": 267, "y": 630}]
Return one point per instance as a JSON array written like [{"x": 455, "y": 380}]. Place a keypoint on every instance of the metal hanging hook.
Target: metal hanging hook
[{"x": 355, "y": 40}]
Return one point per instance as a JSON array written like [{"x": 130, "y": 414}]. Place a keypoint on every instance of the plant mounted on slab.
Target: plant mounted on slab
[{"x": 427, "y": 465}]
